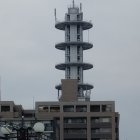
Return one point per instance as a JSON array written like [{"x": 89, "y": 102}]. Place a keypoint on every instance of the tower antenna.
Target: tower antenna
[
  {"x": 55, "y": 14},
  {"x": 88, "y": 35},
  {"x": 80, "y": 7},
  {"x": 73, "y": 4}
]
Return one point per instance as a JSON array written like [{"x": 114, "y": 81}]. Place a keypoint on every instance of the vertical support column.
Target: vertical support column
[
  {"x": 11, "y": 107},
  {"x": 88, "y": 127},
  {"x": 113, "y": 127},
  {"x": 61, "y": 128}
]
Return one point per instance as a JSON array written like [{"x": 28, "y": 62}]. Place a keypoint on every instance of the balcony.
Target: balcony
[
  {"x": 76, "y": 122},
  {"x": 100, "y": 132},
  {"x": 68, "y": 108},
  {"x": 75, "y": 125},
  {"x": 75, "y": 133},
  {"x": 63, "y": 45},
  {"x": 63, "y": 66},
  {"x": 101, "y": 124},
  {"x": 101, "y": 135},
  {"x": 80, "y": 85},
  {"x": 75, "y": 136},
  {"x": 85, "y": 24},
  {"x": 80, "y": 108}
]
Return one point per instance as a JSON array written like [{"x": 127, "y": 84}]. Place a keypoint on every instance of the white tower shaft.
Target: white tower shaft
[{"x": 74, "y": 47}]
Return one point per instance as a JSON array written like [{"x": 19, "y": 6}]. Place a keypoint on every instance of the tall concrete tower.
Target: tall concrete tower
[
  {"x": 73, "y": 26},
  {"x": 73, "y": 117}
]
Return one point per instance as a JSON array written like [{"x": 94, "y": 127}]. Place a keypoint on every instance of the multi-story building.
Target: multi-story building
[{"x": 74, "y": 116}]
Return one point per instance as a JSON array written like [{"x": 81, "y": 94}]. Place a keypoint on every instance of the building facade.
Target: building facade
[
  {"x": 74, "y": 116},
  {"x": 94, "y": 120}
]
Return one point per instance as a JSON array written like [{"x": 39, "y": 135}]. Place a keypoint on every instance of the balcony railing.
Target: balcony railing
[
  {"x": 101, "y": 135},
  {"x": 100, "y": 124},
  {"x": 75, "y": 125},
  {"x": 75, "y": 136}
]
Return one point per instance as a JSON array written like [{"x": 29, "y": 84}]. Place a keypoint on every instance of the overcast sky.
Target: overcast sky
[{"x": 28, "y": 55}]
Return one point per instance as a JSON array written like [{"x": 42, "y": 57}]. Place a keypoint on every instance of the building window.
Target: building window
[
  {"x": 78, "y": 37},
  {"x": 101, "y": 119},
  {"x": 43, "y": 108},
  {"x": 105, "y": 120},
  {"x": 68, "y": 28},
  {"x": 95, "y": 130},
  {"x": 106, "y": 108},
  {"x": 75, "y": 120},
  {"x": 105, "y": 130},
  {"x": 78, "y": 58},
  {"x": 81, "y": 108},
  {"x": 68, "y": 38},
  {"x": 68, "y": 33},
  {"x": 101, "y": 130},
  {"x": 78, "y": 78},
  {"x": 68, "y": 58},
  {"x": 95, "y": 120},
  {"x": 48, "y": 125},
  {"x": 68, "y": 17},
  {"x": 54, "y": 108},
  {"x": 68, "y": 50},
  {"x": 67, "y": 54},
  {"x": 78, "y": 17},
  {"x": 116, "y": 119},
  {"x": 68, "y": 73},
  {"x": 78, "y": 71},
  {"x": 5, "y": 108},
  {"x": 95, "y": 108},
  {"x": 68, "y": 108},
  {"x": 78, "y": 29},
  {"x": 78, "y": 32},
  {"x": 78, "y": 50},
  {"x": 105, "y": 139},
  {"x": 75, "y": 131}
]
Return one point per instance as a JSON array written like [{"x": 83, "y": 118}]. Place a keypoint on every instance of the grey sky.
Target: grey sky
[{"x": 28, "y": 55}]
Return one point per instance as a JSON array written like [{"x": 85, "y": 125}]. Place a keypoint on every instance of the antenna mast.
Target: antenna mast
[
  {"x": 88, "y": 35},
  {"x": 73, "y": 4},
  {"x": 80, "y": 7},
  {"x": 55, "y": 14}
]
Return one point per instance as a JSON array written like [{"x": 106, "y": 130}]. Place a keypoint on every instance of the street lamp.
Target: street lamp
[
  {"x": 24, "y": 133},
  {"x": 39, "y": 127}
]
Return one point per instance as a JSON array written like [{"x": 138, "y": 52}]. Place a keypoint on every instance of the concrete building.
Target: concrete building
[{"x": 74, "y": 116}]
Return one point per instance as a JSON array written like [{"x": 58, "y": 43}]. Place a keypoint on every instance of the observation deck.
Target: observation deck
[
  {"x": 63, "y": 66},
  {"x": 84, "y": 24},
  {"x": 63, "y": 45},
  {"x": 84, "y": 86}
]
